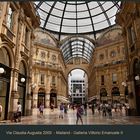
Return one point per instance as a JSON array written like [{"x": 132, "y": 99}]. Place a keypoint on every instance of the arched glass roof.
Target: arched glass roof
[
  {"x": 77, "y": 47},
  {"x": 76, "y": 17}
]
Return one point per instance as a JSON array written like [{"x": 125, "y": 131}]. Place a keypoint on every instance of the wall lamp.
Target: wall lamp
[
  {"x": 1, "y": 70},
  {"x": 137, "y": 77},
  {"x": 22, "y": 80}
]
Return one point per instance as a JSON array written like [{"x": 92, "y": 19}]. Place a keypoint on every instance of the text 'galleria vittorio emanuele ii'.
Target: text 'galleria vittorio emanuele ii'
[{"x": 42, "y": 44}]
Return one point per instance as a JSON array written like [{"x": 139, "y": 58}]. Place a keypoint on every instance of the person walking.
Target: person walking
[
  {"x": 109, "y": 109},
  {"x": 65, "y": 108},
  {"x": 41, "y": 108},
  {"x": 85, "y": 109},
  {"x": 0, "y": 111},
  {"x": 104, "y": 109},
  {"x": 19, "y": 109},
  {"x": 61, "y": 115},
  {"x": 92, "y": 108},
  {"x": 79, "y": 114},
  {"x": 52, "y": 107}
]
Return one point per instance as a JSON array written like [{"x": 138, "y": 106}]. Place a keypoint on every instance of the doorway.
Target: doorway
[
  {"x": 41, "y": 97},
  {"x": 53, "y": 98}
]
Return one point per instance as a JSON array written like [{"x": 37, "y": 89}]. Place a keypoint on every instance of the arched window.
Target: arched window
[
  {"x": 4, "y": 57},
  {"x": 103, "y": 92},
  {"x": 115, "y": 91}
]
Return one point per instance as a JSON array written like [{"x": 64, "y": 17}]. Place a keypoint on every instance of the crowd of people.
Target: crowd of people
[{"x": 103, "y": 109}]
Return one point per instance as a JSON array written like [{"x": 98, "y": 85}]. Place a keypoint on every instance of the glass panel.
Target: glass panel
[
  {"x": 84, "y": 22},
  {"x": 82, "y": 29},
  {"x": 107, "y": 5},
  {"x": 84, "y": 14},
  {"x": 70, "y": 7},
  {"x": 45, "y": 7},
  {"x": 101, "y": 25},
  {"x": 92, "y": 5},
  {"x": 59, "y": 5},
  {"x": 69, "y": 22},
  {"x": 52, "y": 27},
  {"x": 96, "y": 11},
  {"x": 98, "y": 18},
  {"x": 111, "y": 12},
  {"x": 68, "y": 29},
  {"x": 57, "y": 12},
  {"x": 55, "y": 19},
  {"x": 50, "y": 3},
  {"x": 70, "y": 15},
  {"x": 42, "y": 14},
  {"x": 81, "y": 7}
]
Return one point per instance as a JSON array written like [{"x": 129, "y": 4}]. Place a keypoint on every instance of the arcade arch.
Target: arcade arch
[{"x": 78, "y": 86}]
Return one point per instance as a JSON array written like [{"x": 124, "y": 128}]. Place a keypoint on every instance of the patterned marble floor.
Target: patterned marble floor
[{"x": 52, "y": 118}]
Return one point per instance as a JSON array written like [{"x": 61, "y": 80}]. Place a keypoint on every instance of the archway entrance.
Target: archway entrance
[
  {"x": 115, "y": 95},
  {"x": 5, "y": 74},
  {"x": 136, "y": 69},
  {"x": 41, "y": 97},
  {"x": 53, "y": 98},
  {"x": 103, "y": 95},
  {"x": 22, "y": 85},
  {"x": 78, "y": 86}
]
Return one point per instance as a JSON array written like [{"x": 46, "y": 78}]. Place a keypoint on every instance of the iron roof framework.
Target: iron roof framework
[
  {"x": 77, "y": 47},
  {"x": 76, "y": 18}
]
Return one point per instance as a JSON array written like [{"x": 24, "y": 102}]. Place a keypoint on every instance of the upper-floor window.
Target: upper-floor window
[
  {"x": 101, "y": 56},
  {"x": 53, "y": 58},
  {"x": 113, "y": 54},
  {"x": 114, "y": 78},
  {"x": 42, "y": 77},
  {"x": 10, "y": 18},
  {"x": 132, "y": 35},
  {"x": 42, "y": 54},
  {"x": 53, "y": 79},
  {"x": 102, "y": 79},
  {"x": 26, "y": 37}
]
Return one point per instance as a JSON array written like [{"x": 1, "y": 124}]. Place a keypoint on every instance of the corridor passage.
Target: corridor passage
[{"x": 52, "y": 118}]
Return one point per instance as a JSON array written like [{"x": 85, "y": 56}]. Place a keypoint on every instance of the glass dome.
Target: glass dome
[{"x": 76, "y": 17}]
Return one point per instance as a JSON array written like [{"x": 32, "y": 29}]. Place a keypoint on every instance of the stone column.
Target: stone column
[
  {"x": 14, "y": 93},
  {"x": 28, "y": 106},
  {"x": 35, "y": 99},
  {"x": 28, "y": 97},
  {"x": 47, "y": 100},
  {"x": 47, "y": 96}
]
